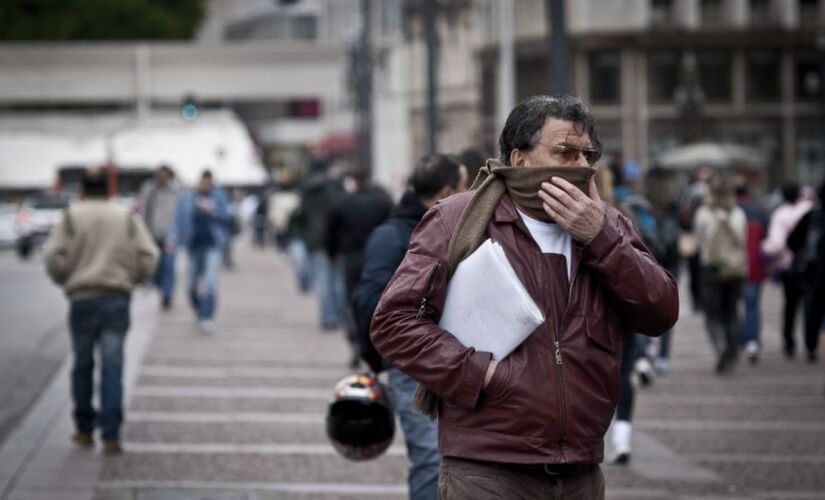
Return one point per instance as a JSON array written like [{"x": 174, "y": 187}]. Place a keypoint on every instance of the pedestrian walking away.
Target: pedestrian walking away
[
  {"x": 757, "y": 228},
  {"x": 782, "y": 221},
  {"x": 157, "y": 201},
  {"x": 202, "y": 225},
  {"x": 434, "y": 178},
  {"x": 98, "y": 253},
  {"x": 351, "y": 220},
  {"x": 720, "y": 231},
  {"x": 530, "y": 424}
]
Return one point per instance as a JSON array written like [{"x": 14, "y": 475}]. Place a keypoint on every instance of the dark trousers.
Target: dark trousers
[
  {"x": 792, "y": 286},
  {"x": 473, "y": 480},
  {"x": 814, "y": 311},
  {"x": 721, "y": 318},
  {"x": 624, "y": 410}
]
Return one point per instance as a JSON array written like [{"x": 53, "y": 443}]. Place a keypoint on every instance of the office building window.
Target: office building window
[
  {"x": 809, "y": 12},
  {"x": 661, "y": 12},
  {"x": 761, "y": 12},
  {"x": 713, "y": 12},
  {"x": 304, "y": 27},
  {"x": 663, "y": 76},
  {"x": 605, "y": 77},
  {"x": 762, "y": 76},
  {"x": 715, "y": 75},
  {"x": 809, "y": 83}
]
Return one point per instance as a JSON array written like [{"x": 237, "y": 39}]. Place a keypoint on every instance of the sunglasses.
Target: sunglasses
[{"x": 570, "y": 153}]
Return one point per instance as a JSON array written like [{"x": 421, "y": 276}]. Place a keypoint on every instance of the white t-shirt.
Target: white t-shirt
[{"x": 551, "y": 238}]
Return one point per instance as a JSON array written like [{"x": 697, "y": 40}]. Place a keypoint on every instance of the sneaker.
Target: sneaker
[
  {"x": 662, "y": 366},
  {"x": 112, "y": 447},
  {"x": 620, "y": 440},
  {"x": 752, "y": 351},
  {"x": 207, "y": 326},
  {"x": 645, "y": 372},
  {"x": 83, "y": 439}
]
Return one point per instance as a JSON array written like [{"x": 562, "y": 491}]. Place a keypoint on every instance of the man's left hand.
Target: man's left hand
[{"x": 580, "y": 216}]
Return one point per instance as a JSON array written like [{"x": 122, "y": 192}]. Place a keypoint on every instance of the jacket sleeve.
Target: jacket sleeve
[
  {"x": 382, "y": 256},
  {"x": 405, "y": 325},
  {"x": 643, "y": 294},
  {"x": 147, "y": 252},
  {"x": 55, "y": 253}
]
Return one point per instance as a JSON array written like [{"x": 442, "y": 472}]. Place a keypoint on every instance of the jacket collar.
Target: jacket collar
[{"x": 506, "y": 210}]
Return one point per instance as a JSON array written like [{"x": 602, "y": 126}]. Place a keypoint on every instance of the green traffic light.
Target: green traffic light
[{"x": 189, "y": 112}]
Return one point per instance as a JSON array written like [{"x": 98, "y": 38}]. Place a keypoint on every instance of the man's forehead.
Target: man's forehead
[{"x": 557, "y": 131}]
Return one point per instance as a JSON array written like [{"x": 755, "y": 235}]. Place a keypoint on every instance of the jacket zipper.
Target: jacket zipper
[
  {"x": 429, "y": 289},
  {"x": 573, "y": 274},
  {"x": 559, "y": 370}
]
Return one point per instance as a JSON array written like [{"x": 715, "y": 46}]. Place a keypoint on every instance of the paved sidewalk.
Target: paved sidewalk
[{"x": 240, "y": 415}]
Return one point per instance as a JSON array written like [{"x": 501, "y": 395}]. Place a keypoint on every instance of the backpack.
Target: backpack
[{"x": 726, "y": 254}]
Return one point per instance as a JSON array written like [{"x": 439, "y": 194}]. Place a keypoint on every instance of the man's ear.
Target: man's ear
[{"x": 518, "y": 158}]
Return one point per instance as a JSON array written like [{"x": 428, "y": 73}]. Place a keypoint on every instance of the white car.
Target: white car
[
  {"x": 35, "y": 219},
  {"x": 8, "y": 230}
]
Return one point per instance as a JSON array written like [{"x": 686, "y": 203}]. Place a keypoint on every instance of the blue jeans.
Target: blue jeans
[
  {"x": 329, "y": 280},
  {"x": 165, "y": 274},
  {"x": 103, "y": 321},
  {"x": 421, "y": 436},
  {"x": 204, "y": 265},
  {"x": 751, "y": 322},
  {"x": 299, "y": 256}
]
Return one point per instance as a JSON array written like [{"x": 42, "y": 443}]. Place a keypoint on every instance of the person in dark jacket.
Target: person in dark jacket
[
  {"x": 318, "y": 192},
  {"x": 351, "y": 220},
  {"x": 534, "y": 421},
  {"x": 807, "y": 242},
  {"x": 435, "y": 177}
]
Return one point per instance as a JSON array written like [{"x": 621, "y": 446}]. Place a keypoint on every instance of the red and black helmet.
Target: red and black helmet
[{"x": 360, "y": 420}]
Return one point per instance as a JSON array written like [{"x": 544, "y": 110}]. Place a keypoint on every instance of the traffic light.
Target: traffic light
[{"x": 189, "y": 108}]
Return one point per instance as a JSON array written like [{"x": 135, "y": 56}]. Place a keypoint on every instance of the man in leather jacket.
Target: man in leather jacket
[{"x": 530, "y": 425}]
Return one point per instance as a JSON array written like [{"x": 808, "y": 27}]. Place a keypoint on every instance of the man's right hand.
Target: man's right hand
[{"x": 488, "y": 376}]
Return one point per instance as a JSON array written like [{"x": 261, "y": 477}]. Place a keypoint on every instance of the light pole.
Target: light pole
[
  {"x": 430, "y": 29},
  {"x": 689, "y": 98}
]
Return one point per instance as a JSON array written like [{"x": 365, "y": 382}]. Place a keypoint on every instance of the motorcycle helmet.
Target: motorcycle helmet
[{"x": 360, "y": 420}]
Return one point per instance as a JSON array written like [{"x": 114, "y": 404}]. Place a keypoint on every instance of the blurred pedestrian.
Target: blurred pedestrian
[
  {"x": 690, "y": 199},
  {"x": 720, "y": 227},
  {"x": 351, "y": 220},
  {"x": 435, "y": 177},
  {"x": 234, "y": 199},
  {"x": 318, "y": 192},
  {"x": 782, "y": 221},
  {"x": 808, "y": 245},
  {"x": 533, "y": 421},
  {"x": 757, "y": 228},
  {"x": 158, "y": 200},
  {"x": 98, "y": 252},
  {"x": 472, "y": 159},
  {"x": 202, "y": 224}
]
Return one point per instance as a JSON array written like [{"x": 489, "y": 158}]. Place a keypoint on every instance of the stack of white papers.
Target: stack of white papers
[{"x": 487, "y": 306}]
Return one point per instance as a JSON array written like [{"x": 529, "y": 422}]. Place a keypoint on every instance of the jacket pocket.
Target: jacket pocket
[{"x": 604, "y": 333}]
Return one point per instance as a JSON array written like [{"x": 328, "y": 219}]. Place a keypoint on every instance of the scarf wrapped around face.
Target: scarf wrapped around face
[{"x": 523, "y": 185}]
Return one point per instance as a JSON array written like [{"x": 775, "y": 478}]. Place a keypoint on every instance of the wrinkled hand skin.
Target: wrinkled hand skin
[{"x": 580, "y": 216}]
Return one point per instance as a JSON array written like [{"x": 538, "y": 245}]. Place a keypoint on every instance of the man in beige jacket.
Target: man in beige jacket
[{"x": 98, "y": 253}]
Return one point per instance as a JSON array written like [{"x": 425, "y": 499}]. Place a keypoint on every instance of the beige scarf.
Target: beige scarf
[{"x": 522, "y": 184}]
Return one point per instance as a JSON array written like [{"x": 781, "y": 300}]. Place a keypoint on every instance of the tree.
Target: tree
[{"x": 34, "y": 20}]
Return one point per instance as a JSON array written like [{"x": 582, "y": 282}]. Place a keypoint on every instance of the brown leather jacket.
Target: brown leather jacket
[{"x": 551, "y": 400}]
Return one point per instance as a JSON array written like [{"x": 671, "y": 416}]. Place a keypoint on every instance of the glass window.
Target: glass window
[
  {"x": 305, "y": 27},
  {"x": 661, "y": 12},
  {"x": 713, "y": 12},
  {"x": 663, "y": 76},
  {"x": 605, "y": 77},
  {"x": 715, "y": 75},
  {"x": 762, "y": 76},
  {"x": 761, "y": 12},
  {"x": 808, "y": 78},
  {"x": 809, "y": 12}
]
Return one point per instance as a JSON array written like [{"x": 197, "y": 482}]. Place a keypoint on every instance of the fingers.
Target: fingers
[
  {"x": 594, "y": 190},
  {"x": 568, "y": 188},
  {"x": 554, "y": 199}
]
